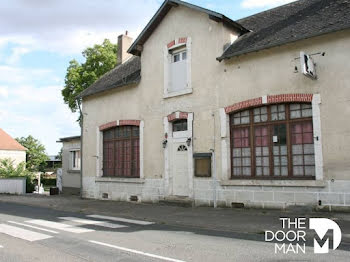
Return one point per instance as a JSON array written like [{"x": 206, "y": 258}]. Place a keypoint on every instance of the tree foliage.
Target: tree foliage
[
  {"x": 59, "y": 154},
  {"x": 36, "y": 156},
  {"x": 99, "y": 59},
  {"x": 9, "y": 170}
]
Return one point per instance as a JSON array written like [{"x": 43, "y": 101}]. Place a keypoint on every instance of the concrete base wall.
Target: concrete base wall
[
  {"x": 148, "y": 190},
  {"x": 333, "y": 194}
]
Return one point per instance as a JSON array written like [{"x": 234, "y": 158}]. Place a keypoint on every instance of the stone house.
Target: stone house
[
  {"x": 10, "y": 148},
  {"x": 71, "y": 160},
  {"x": 217, "y": 112}
]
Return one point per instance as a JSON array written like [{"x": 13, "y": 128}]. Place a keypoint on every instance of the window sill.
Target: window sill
[
  {"x": 177, "y": 93},
  {"x": 73, "y": 171},
  {"x": 277, "y": 183},
  {"x": 119, "y": 180}
]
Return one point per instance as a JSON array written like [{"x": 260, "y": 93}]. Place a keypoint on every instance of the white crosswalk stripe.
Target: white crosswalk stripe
[
  {"x": 136, "y": 251},
  {"x": 92, "y": 222},
  {"x": 39, "y": 228},
  {"x": 22, "y": 233},
  {"x": 59, "y": 226},
  {"x": 120, "y": 219}
]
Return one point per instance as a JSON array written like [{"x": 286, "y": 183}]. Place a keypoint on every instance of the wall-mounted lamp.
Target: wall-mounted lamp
[
  {"x": 188, "y": 141},
  {"x": 164, "y": 143}
]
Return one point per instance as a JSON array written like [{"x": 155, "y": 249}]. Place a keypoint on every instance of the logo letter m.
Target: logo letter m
[{"x": 322, "y": 226}]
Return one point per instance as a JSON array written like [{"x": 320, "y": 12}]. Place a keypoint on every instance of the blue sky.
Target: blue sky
[{"x": 38, "y": 39}]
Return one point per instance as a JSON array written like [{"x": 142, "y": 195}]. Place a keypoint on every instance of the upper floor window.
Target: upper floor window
[
  {"x": 178, "y": 71},
  {"x": 177, "y": 68},
  {"x": 273, "y": 141}
]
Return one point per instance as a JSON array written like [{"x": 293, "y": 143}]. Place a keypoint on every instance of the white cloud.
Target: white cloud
[
  {"x": 263, "y": 3},
  {"x": 17, "y": 53},
  {"x": 4, "y": 91},
  {"x": 39, "y": 112},
  {"x": 33, "y": 109},
  {"x": 50, "y": 25},
  {"x": 12, "y": 74},
  {"x": 30, "y": 98}
]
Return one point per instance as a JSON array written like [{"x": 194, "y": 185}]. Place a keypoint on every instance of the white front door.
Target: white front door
[
  {"x": 180, "y": 169},
  {"x": 178, "y": 151}
]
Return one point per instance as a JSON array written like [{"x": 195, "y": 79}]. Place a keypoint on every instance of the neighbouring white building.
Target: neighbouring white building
[
  {"x": 10, "y": 148},
  {"x": 71, "y": 159},
  {"x": 212, "y": 111}
]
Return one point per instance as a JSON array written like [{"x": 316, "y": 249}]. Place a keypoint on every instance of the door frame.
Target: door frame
[{"x": 169, "y": 149}]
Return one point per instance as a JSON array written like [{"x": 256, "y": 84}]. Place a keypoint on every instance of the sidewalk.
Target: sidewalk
[{"x": 248, "y": 221}]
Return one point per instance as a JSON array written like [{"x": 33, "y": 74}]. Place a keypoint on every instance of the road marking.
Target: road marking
[
  {"x": 1, "y": 246},
  {"x": 136, "y": 251},
  {"x": 59, "y": 226},
  {"x": 39, "y": 228},
  {"x": 92, "y": 222},
  {"x": 120, "y": 219},
  {"x": 22, "y": 233}
]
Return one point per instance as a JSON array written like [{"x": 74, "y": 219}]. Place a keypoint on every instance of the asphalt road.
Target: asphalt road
[{"x": 42, "y": 234}]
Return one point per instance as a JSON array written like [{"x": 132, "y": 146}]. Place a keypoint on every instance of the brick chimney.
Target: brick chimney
[{"x": 124, "y": 42}]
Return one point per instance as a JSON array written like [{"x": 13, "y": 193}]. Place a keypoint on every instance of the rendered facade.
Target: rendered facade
[
  {"x": 11, "y": 149},
  {"x": 71, "y": 160},
  {"x": 218, "y": 112}
]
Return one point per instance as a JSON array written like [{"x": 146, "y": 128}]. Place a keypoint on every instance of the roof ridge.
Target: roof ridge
[
  {"x": 271, "y": 9},
  {"x": 292, "y": 22},
  {"x": 9, "y": 143}
]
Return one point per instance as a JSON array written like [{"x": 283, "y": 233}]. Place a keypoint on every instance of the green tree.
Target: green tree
[
  {"x": 59, "y": 154},
  {"x": 99, "y": 59},
  {"x": 36, "y": 156},
  {"x": 9, "y": 170}
]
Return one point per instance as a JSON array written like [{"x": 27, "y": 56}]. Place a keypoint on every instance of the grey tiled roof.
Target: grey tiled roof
[
  {"x": 124, "y": 74},
  {"x": 288, "y": 23},
  {"x": 69, "y": 138}
]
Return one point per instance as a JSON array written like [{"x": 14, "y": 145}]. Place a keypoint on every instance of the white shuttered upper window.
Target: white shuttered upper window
[{"x": 178, "y": 71}]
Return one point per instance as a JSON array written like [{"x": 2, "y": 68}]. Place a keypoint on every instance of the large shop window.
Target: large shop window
[
  {"x": 121, "y": 152},
  {"x": 273, "y": 142}
]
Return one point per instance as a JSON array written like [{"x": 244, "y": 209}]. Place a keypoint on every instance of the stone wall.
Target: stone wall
[
  {"x": 119, "y": 189},
  {"x": 332, "y": 194}
]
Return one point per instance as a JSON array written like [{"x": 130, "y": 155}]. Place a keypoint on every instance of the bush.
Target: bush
[
  {"x": 48, "y": 181},
  {"x": 9, "y": 170},
  {"x": 30, "y": 184}
]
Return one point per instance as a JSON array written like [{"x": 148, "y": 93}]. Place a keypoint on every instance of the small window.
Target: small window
[
  {"x": 75, "y": 157},
  {"x": 180, "y": 125},
  {"x": 202, "y": 163},
  {"x": 179, "y": 56},
  {"x": 176, "y": 58}
]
